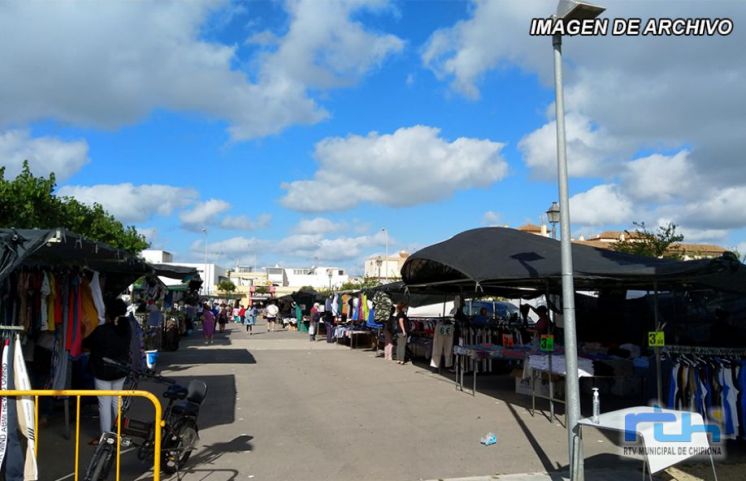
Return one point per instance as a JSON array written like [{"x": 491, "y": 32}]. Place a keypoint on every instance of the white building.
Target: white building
[
  {"x": 385, "y": 268},
  {"x": 156, "y": 256},
  {"x": 316, "y": 277},
  {"x": 211, "y": 275}
]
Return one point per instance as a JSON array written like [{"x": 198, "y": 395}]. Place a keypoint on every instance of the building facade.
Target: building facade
[{"x": 385, "y": 268}]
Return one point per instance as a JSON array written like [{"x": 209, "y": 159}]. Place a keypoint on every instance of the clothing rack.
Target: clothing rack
[
  {"x": 12, "y": 328},
  {"x": 705, "y": 351}
]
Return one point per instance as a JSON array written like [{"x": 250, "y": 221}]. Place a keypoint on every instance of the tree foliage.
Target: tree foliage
[
  {"x": 261, "y": 290},
  {"x": 366, "y": 283},
  {"x": 643, "y": 242},
  {"x": 29, "y": 202},
  {"x": 226, "y": 285}
]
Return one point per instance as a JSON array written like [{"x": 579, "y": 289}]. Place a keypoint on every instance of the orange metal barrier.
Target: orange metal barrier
[{"x": 77, "y": 394}]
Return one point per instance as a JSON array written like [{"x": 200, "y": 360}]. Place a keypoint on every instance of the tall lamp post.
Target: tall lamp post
[
  {"x": 330, "y": 273},
  {"x": 568, "y": 10},
  {"x": 553, "y": 215},
  {"x": 207, "y": 282},
  {"x": 378, "y": 263}
]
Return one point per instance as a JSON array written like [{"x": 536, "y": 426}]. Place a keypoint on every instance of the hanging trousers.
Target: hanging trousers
[{"x": 442, "y": 346}]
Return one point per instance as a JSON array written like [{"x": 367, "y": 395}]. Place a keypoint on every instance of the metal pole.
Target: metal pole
[
  {"x": 568, "y": 285},
  {"x": 207, "y": 282},
  {"x": 658, "y": 370},
  {"x": 387, "y": 253}
]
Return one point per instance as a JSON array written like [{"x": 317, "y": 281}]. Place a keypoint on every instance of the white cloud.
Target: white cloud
[
  {"x": 151, "y": 55},
  {"x": 496, "y": 33},
  {"x": 721, "y": 209},
  {"x": 203, "y": 214},
  {"x": 45, "y": 154},
  {"x": 131, "y": 203},
  {"x": 589, "y": 150},
  {"x": 411, "y": 166},
  {"x": 624, "y": 96},
  {"x": 603, "y": 204},
  {"x": 491, "y": 218},
  {"x": 317, "y": 225},
  {"x": 150, "y": 233},
  {"x": 242, "y": 222},
  {"x": 659, "y": 177}
]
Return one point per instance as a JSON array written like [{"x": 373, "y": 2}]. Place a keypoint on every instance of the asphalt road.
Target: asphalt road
[{"x": 282, "y": 408}]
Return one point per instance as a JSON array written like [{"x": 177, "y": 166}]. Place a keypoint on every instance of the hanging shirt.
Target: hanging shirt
[
  {"x": 98, "y": 297},
  {"x": 25, "y": 406},
  {"x": 89, "y": 321},
  {"x": 44, "y": 311},
  {"x": 51, "y": 301}
]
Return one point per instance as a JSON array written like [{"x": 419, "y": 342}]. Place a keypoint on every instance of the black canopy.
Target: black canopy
[
  {"x": 495, "y": 258},
  {"x": 181, "y": 273},
  {"x": 59, "y": 247}
]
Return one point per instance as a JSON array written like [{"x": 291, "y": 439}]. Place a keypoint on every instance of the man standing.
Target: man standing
[{"x": 271, "y": 315}]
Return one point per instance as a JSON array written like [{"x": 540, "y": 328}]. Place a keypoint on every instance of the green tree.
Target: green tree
[
  {"x": 29, "y": 202},
  {"x": 643, "y": 242},
  {"x": 262, "y": 290},
  {"x": 226, "y": 285},
  {"x": 366, "y": 283}
]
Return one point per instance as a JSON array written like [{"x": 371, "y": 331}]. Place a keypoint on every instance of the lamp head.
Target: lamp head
[
  {"x": 578, "y": 10},
  {"x": 553, "y": 214}
]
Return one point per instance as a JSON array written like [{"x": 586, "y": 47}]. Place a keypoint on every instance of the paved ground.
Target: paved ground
[{"x": 282, "y": 408}]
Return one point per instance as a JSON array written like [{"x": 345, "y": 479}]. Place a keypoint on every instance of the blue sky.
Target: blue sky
[{"x": 294, "y": 131}]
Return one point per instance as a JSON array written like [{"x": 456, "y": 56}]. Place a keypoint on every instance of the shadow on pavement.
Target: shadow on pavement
[
  {"x": 212, "y": 452},
  {"x": 205, "y": 355}
]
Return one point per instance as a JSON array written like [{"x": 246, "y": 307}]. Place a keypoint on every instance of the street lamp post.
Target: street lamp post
[
  {"x": 553, "y": 215},
  {"x": 206, "y": 281},
  {"x": 568, "y": 10},
  {"x": 329, "y": 271},
  {"x": 378, "y": 263}
]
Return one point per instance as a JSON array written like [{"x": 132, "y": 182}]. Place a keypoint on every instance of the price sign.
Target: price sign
[
  {"x": 547, "y": 343},
  {"x": 656, "y": 339}
]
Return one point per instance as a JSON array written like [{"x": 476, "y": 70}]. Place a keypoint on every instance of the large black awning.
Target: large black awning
[
  {"x": 61, "y": 248},
  {"x": 493, "y": 259}
]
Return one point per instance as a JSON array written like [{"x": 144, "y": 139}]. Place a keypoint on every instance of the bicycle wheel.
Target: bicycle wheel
[
  {"x": 98, "y": 467},
  {"x": 179, "y": 445}
]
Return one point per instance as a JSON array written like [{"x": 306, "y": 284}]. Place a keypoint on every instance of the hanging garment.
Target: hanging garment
[
  {"x": 14, "y": 452},
  {"x": 44, "y": 311},
  {"x": 25, "y": 405},
  {"x": 74, "y": 330},
  {"x": 365, "y": 307},
  {"x": 89, "y": 321},
  {"x": 98, "y": 297},
  {"x": 4, "y": 403},
  {"x": 355, "y": 309},
  {"x": 729, "y": 403},
  {"x": 51, "y": 300},
  {"x": 442, "y": 344},
  {"x": 335, "y": 305},
  {"x": 23, "y": 285},
  {"x": 742, "y": 396}
]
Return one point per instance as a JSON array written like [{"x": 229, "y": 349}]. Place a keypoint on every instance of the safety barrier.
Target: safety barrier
[{"x": 77, "y": 394}]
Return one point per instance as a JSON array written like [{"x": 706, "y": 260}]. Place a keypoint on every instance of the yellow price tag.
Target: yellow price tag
[{"x": 656, "y": 339}]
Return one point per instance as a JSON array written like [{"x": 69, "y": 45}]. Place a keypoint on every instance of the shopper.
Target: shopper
[
  {"x": 314, "y": 325},
  {"x": 109, "y": 340},
  {"x": 402, "y": 331},
  {"x": 250, "y": 319},
  {"x": 241, "y": 315},
  {"x": 208, "y": 324},
  {"x": 271, "y": 315},
  {"x": 223, "y": 317}
]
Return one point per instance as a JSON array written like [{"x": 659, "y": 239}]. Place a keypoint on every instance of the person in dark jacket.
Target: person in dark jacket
[{"x": 110, "y": 340}]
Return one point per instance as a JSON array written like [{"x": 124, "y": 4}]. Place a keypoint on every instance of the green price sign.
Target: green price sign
[
  {"x": 547, "y": 343},
  {"x": 656, "y": 339}
]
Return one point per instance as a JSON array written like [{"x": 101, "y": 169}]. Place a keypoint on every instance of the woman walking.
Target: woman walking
[
  {"x": 250, "y": 319},
  {"x": 208, "y": 324},
  {"x": 223, "y": 317},
  {"x": 109, "y": 340},
  {"x": 402, "y": 331}
]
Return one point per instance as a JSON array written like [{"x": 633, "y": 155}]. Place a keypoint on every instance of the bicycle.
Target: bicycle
[{"x": 179, "y": 431}]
